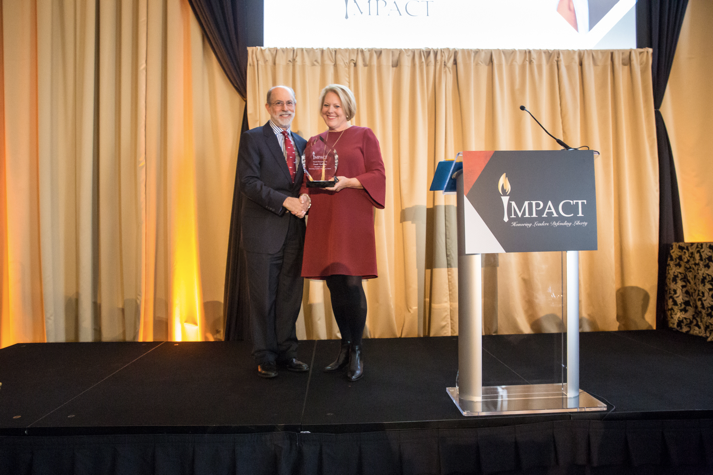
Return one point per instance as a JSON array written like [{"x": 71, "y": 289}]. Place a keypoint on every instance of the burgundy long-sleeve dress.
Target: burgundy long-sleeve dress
[{"x": 340, "y": 229}]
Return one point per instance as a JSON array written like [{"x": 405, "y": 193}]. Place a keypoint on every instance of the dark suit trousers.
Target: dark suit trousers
[{"x": 275, "y": 284}]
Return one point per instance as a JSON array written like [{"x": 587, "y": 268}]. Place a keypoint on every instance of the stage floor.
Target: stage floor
[{"x": 213, "y": 387}]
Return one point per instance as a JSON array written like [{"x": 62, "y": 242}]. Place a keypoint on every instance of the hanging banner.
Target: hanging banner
[{"x": 469, "y": 24}]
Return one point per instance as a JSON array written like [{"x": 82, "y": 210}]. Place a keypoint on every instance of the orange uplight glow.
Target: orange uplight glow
[
  {"x": 6, "y": 337},
  {"x": 700, "y": 228},
  {"x": 186, "y": 292},
  {"x": 4, "y": 275},
  {"x": 21, "y": 305}
]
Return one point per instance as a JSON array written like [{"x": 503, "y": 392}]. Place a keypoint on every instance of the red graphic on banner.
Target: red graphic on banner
[{"x": 473, "y": 164}]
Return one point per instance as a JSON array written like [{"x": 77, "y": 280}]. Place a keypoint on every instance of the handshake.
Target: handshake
[{"x": 298, "y": 206}]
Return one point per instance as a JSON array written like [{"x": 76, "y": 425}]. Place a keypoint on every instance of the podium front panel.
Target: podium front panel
[
  {"x": 523, "y": 310},
  {"x": 529, "y": 201}
]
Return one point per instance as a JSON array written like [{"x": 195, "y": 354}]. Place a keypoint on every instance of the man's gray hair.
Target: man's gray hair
[{"x": 292, "y": 93}]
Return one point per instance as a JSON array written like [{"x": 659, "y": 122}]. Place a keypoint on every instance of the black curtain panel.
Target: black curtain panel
[
  {"x": 220, "y": 21},
  {"x": 666, "y": 18},
  {"x": 225, "y": 25}
]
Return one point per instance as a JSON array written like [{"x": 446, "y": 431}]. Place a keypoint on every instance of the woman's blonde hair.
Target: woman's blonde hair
[{"x": 345, "y": 96}]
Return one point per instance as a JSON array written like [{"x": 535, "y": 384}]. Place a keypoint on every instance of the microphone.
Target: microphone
[{"x": 561, "y": 143}]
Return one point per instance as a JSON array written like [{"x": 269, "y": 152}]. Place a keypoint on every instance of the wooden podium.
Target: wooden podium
[{"x": 519, "y": 201}]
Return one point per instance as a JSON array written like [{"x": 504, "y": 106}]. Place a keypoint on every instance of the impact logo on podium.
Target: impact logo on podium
[
  {"x": 530, "y": 209},
  {"x": 504, "y": 188},
  {"x": 544, "y": 201}
]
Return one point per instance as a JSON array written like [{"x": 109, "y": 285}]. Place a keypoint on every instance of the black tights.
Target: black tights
[{"x": 348, "y": 305}]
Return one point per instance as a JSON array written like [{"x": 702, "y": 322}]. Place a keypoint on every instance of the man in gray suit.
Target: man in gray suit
[{"x": 273, "y": 231}]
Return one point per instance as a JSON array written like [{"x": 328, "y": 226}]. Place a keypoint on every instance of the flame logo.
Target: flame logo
[
  {"x": 504, "y": 185},
  {"x": 504, "y": 189}
]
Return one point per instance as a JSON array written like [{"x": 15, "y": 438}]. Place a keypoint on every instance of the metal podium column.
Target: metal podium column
[
  {"x": 572, "y": 294},
  {"x": 470, "y": 313}
]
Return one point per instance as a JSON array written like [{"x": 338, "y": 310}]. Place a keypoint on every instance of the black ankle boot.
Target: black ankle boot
[
  {"x": 356, "y": 363},
  {"x": 342, "y": 358}
]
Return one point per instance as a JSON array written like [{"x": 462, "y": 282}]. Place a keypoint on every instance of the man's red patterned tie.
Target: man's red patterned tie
[{"x": 290, "y": 154}]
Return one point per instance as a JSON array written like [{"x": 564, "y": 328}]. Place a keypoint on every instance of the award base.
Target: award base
[{"x": 321, "y": 184}]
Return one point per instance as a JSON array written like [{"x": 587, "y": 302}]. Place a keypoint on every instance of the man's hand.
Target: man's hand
[
  {"x": 306, "y": 202},
  {"x": 295, "y": 206}
]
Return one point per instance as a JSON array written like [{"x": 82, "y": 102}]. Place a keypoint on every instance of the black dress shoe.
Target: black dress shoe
[
  {"x": 342, "y": 358},
  {"x": 356, "y": 364},
  {"x": 293, "y": 364},
  {"x": 267, "y": 370}
]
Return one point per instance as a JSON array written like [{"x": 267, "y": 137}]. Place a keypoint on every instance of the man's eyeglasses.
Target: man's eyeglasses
[{"x": 289, "y": 104}]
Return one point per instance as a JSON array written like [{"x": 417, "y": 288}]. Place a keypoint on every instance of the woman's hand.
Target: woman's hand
[{"x": 344, "y": 182}]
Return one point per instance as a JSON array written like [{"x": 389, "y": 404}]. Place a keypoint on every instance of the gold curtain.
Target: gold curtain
[
  {"x": 425, "y": 106},
  {"x": 119, "y": 133},
  {"x": 22, "y": 317},
  {"x": 689, "y": 122}
]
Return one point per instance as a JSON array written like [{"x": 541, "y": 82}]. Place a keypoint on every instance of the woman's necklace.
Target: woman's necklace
[
  {"x": 327, "y": 147},
  {"x": 336, "y": 156}
]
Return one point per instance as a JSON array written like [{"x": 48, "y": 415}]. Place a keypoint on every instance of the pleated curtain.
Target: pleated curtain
[
  {"x": 689, "y": 121},
  {"x": 120, "y": 137},
  {"x": 427, "y": 105},
  {"x": 120, "y": 134}
]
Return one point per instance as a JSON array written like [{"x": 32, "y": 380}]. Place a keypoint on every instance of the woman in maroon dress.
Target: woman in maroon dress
[{"x": 340, "y": 246}]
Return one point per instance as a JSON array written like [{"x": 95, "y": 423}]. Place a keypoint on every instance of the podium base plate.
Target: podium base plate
[{"x": 526, "y": 399}]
